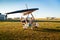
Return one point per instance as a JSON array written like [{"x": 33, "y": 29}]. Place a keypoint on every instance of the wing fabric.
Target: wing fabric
[{"x": 25, "y": 11}]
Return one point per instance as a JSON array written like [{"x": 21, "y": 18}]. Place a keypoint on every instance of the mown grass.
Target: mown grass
[{"x": 14, "y": 31}]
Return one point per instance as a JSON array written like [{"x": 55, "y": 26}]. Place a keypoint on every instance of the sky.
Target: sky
[{"x": 47, "y": 8}]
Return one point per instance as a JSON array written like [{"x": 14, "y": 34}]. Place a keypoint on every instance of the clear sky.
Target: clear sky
[{"x": 47, "y": 8}]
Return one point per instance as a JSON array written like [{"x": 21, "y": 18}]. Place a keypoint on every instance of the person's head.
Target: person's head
[{"x": 31, "y": 18}]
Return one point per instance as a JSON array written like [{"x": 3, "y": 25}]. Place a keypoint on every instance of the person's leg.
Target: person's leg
[
  {"x": 31, "y": 26},
  {"x": 36, "y": 25},
  {"x": 24, "y": 26}
]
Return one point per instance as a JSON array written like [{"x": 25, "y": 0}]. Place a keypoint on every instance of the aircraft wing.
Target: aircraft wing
[{"x": 25, "y": 11}]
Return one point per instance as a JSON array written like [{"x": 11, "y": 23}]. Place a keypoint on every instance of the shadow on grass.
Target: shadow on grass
[{"x": 46, "y": 30}]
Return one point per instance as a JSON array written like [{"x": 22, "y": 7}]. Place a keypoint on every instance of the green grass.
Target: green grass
[{"x": 14, "y": 31}]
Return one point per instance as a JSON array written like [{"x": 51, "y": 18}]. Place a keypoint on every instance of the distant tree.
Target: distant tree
[
  {"x": 50, "y": 18},
  {"x": 9, "y": 19},
  {"x": 16, "y": 18}
]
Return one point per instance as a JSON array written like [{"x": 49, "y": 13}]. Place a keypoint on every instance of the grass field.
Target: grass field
[{"x": 14, "y": 31}]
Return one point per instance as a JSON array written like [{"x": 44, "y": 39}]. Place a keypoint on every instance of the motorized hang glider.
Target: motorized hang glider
[{"x": 25, "y": 11}]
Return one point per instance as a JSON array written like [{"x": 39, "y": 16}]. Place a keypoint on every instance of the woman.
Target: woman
[{"x": 24, "y": 22}]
